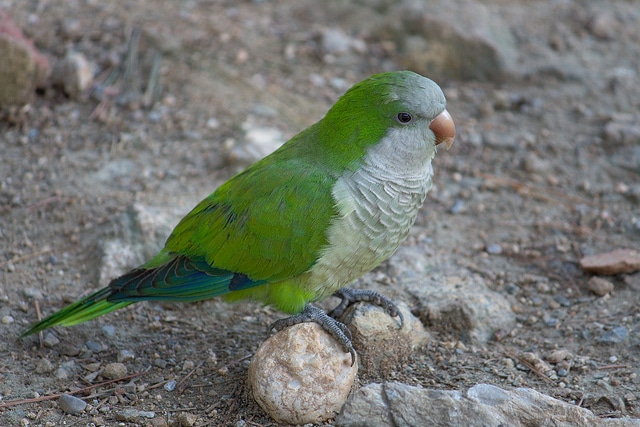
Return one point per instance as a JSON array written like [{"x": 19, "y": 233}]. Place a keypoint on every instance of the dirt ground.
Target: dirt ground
[{"x": 545, "y": 170}]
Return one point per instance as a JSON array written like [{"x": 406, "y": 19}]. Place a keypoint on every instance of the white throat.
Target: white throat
[{"x": 378, "y": 204}]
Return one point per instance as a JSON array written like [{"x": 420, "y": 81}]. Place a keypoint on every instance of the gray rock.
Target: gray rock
[
  {"x": 141, "y": 233},
  {"x": 44, "y": 366},
  {"x": 50, "y": 340},
  {"x": 170, "y": 385},
  {"x": 385, "y": 344},
  {"x": 397, "y": 404},
  {"x": 71, "y": 404},
  {"x": 464, "y": 306},
  {"x": 125, "y": 355},
  {"x": 258, "y": 143},
  {"x": 622, "y": 128},
  {"x": 117, "y": 257},
  {"x": 335, "y": 41},
  {"x": 462, "y": 39},
  {"x": 33, "y": 293},
  {"x": 129, "y": 415},
  {"x": 339, "y": 48},
  {"x": 614, "y": 336},
  {"x": 494, "y": 249},
  {"x": 93, "y": 345},
  {"x": 109, "y": 331},
  {"x": 63, "y": 373},
  {"x": 114, "y": 371}
]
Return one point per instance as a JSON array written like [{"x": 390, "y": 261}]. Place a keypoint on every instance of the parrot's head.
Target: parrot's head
[{"x": 402, "y": 105}]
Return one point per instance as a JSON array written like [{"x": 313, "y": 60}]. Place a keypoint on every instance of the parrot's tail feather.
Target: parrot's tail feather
[
  {"x": 181, "y": 279},
  {"x": 87, "y": 308}
]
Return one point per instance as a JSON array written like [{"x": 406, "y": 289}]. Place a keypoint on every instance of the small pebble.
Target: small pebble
[
  {"x": 71, "y": 404},
  {"x": 125, "y": 355},
  {"x": 127, "y": 415},
  {"x": 109, "y": 331},
  {"x": 44, "y": 366},
  {"x": 51, "y": 340},
  {"x": 74, "y": 74},
  {"x": 615, "y": 336},
  {"x": 212, "y": 123},
  {"x": 93, "y": 367},
  {"x": 130, "y": 387},
  {"x": 114, "y": 371},
  {"x": 458, "y": 206},
  {"x": 599, "y": 286},
  {"x": 7, "y": 320},
  {"x": 170, "y": 385},
  {"x": 494, "y": 249},
  {"x": 186, "y": 419},
  {"x": 33, "y": 293},
  {"x": 69, "y": 349},
  {"x": 159, "y": 422},
  {"x": 551, "y": 322},
  {"x": 563, "y": 301},
  {"x": 558, "y": 356},
  {"x": 93, "y": 346}
]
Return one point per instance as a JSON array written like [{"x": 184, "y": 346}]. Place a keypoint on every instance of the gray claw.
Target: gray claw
[
  {"x": 310, "y": 313},
  {"x": 351, "y": 296}
]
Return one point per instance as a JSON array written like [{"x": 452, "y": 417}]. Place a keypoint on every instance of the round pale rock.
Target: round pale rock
[
  {"x": 301, "y": 375},
  {"x": 74, "y": 74}
]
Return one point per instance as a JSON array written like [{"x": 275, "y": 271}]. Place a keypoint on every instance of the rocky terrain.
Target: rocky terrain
[{"x": 133, "y": 111}]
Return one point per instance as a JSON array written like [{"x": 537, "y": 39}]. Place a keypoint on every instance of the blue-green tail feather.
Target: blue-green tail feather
[{"x": 180, "y": 279}]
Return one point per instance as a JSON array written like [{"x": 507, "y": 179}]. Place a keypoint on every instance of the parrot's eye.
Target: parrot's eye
[{"x": 404, "y": 118}]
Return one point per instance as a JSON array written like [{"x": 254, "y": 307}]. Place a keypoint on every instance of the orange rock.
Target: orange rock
[
  {"x": 614, "y": 262},
  {"x": 22, "y": 68}
]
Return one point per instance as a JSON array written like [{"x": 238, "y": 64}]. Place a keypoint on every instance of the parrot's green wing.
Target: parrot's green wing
[
  {"x": 265, "y": 225},
  {"x": 268, "y": 223}
]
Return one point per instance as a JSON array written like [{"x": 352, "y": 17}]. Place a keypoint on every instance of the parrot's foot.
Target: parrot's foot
[
  {"x": 313, "y": 314},
  {"x": 352, "y": 296}
]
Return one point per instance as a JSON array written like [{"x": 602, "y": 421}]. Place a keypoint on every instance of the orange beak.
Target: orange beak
[{"x": 444, "y": 129}]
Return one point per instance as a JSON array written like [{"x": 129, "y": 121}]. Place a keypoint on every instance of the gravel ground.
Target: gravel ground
[{"x": 545, "y": 170}]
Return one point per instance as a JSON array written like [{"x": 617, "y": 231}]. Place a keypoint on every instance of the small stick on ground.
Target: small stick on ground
[
  {"x": 24, "y": 257},
  {"x": 179, "y": 386},
  {"x": 81, "y": 390}
]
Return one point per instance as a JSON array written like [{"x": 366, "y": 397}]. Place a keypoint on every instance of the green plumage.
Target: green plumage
[{"x": 260, "y": 234}]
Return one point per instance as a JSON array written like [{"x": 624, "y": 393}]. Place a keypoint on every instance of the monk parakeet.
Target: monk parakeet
[{"x": 297, "y": 226}]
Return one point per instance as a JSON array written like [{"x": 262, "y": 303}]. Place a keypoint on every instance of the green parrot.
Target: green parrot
[{"x": 325, "y": 208}]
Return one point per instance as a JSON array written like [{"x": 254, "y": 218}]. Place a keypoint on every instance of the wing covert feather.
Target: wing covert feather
[{"x": 268, "y": 222}]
